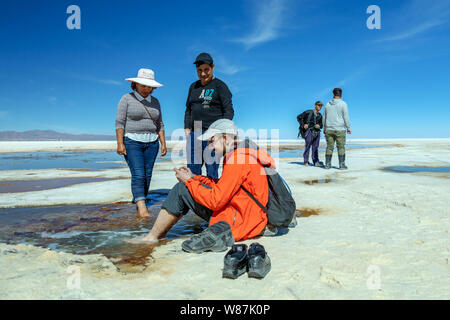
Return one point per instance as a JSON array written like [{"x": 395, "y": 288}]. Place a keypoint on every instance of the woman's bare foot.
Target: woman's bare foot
[
  {"x": 139, "y": 240},
  {"x": 142, "y": 209},
  {"x": 160, "y": 228}
]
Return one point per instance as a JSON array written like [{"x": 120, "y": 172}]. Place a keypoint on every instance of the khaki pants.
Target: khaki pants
[{"x": 333, "y": 136}]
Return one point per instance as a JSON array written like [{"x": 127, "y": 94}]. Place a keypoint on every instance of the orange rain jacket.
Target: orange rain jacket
[{"x": 226, "y": 198}]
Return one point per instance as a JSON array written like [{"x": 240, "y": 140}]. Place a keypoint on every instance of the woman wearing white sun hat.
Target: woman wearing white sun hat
[{"x": 139, "y": 126}]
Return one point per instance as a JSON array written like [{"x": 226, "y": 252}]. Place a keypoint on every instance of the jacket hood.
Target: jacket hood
[
  {"x": 248, "y": 152},
  {"x": 335, "y": 101}
]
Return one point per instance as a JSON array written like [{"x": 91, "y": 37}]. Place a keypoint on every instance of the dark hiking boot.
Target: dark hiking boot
[
  {"x": 235, "y": 262},
  {"x": 328, "y": 161},
  {"x": 342, "y": 165},
  {"x": 258, "y": 261},
  {"x": 270, "y": 231},
  {"x": 318, "y": 164},
  {"x": 217, "y": 237}
]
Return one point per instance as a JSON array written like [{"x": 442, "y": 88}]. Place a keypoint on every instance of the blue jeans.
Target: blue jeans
[
  {"x": 198, "y": 153},
  {"x": 140, "y": 159}
]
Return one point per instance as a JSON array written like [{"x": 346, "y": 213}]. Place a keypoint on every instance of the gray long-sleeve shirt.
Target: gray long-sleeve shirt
[
  {"x": 132, "y": 117},
  {"x": 335, "y": 116}
]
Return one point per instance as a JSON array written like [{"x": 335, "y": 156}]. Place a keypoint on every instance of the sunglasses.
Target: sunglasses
[{"x": 213, "y": 139}]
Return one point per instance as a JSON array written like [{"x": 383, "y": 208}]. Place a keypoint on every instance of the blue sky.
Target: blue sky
[{"x": 277, "y": 57}]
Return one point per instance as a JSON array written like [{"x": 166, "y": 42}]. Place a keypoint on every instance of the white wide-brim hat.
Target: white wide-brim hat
[
  {"x": 145, "y": 77},
  {"x": 221, "y": 126}
]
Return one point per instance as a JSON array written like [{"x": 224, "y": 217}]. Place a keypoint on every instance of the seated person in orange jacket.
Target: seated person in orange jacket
[{"x": 231, "y": 213}]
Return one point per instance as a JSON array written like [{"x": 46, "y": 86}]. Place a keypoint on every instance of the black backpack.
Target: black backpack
[
  {"x": 301, "y": 121},
  {"x": 281, "y": 205}
]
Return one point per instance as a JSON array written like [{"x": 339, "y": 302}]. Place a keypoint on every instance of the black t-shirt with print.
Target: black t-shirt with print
[{"x": 208, "y": 103}]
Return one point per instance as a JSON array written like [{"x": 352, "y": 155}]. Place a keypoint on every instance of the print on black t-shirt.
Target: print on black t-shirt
[{"x": 208, "y": 103}]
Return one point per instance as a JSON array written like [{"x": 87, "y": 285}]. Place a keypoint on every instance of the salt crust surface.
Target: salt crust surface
[{"x": 394, "y": 223}]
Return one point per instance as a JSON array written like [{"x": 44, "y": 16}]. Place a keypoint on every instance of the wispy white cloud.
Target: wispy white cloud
[
  {"x": 225, "y": 67},
  {"x": 222, "y": 63},
  {"x": 268, "y": 19},
  {"x": 108, "y": 81},
  {"x": 97, "y": 80},
  {"x": 418, "y": 18},
  {"x": 326, "y": 92},
  {"x": 410, "y": 33},
  {"x": 89, "y": 78},
  {"x": 52, "y": 99}
]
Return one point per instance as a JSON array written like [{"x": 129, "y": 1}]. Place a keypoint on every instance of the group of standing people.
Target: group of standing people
[
  {"x": 335, "y": 124},
  {"x": 140, "y": 126},
  {"x": 236, "y": 205}
]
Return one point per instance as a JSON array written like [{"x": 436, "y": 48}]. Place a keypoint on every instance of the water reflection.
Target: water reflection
[
  {"x": 294, "y": 152},
  {"x": 412, "y": 169},
  {"x": 12, "y": 186},
  {"x": 93, "y": 159},
  {"x": 78, "y": 160}
]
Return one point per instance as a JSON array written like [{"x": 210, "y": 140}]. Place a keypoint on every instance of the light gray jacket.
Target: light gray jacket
[{"x": 335, "y": 116}]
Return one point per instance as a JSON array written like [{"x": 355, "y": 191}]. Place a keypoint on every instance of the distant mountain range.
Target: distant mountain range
[{"x": 50, "y": 135}]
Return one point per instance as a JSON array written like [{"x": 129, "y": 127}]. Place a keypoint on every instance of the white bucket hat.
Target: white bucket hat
[
  {"x": 146, "y": 77},
  {"x": 221, "y": 126}
]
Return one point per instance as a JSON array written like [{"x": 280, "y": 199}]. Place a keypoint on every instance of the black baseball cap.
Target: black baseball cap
[
  {"x": 318, "y": 103},
  {"x": 205, "y": 58}
]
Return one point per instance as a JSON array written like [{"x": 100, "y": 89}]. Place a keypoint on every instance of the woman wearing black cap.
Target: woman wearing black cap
[{"x": 209, "y": 99}]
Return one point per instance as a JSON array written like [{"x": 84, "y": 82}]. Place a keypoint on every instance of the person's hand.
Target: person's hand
[
  {"x": 349, "y": 131},
  {"x": 121, "y": 149},
  {"x": 187, "y": 132},
  {"x": 317, "y": 126},
  {"x": 183, "y": 174},
  {"x": 186, "y": 169},
  {"x": 305, "y": 126},
  {"x": 163, "y": 150}
]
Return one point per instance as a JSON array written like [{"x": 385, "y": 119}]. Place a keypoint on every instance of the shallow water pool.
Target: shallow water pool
[
  {"x": 298, "y": 152},
  {"x": 92, "y": 229},
  {"x": 13, "y": 186},
  {"x": 84, "y": 160},
  {"x": 413, "y": 169}
]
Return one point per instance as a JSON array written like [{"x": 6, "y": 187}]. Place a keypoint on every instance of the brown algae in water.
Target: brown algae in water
[
  {"x": 307, "y": 212},
  {"x": 318, "y": 181},
  {"x": 93, "y": 229}
]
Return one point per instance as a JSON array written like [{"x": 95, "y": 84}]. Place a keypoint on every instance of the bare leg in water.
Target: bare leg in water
[
  {"x": 162, "y": 225},
  {"x": 142, "y": 209}
]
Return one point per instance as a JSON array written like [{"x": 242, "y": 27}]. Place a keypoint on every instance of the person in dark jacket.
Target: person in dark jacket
[
  {"x": 310, "y": 122},
  {"x": 209, "y": 99}
]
